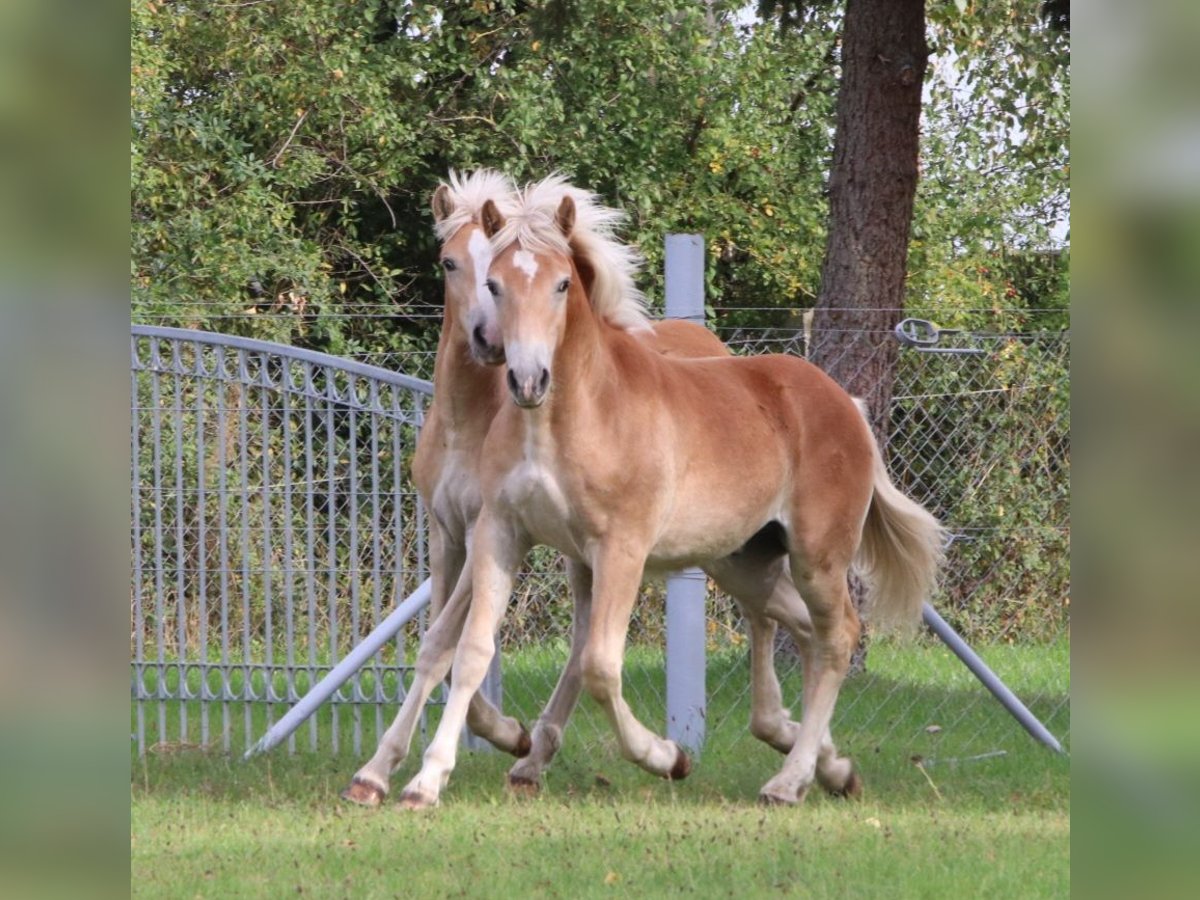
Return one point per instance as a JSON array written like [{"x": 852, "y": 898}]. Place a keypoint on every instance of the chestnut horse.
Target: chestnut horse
[
  {"x": 633, "y": 463},
  {"x": 468, "y": 391}
]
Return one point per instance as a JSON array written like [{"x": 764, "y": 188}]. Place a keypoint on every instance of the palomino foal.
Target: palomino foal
[
  {"x": 632, "y": 462},
  {"x": 469, "y": 388}
]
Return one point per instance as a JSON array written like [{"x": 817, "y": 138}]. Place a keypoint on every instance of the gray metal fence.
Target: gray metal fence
[{"x": 274, "y": 524}]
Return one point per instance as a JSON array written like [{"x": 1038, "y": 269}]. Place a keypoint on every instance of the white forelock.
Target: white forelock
[
  {"x": 468, "y": 193},
  {"x": 614, "y": 296}
]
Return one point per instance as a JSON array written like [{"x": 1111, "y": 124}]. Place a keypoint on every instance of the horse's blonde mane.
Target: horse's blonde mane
[
  {"x": 533, "y": 223},
  {"x": 468, "y": 193}
]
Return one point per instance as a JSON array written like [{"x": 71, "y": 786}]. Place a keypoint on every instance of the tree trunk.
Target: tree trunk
[{"x": 872, "y": 183}]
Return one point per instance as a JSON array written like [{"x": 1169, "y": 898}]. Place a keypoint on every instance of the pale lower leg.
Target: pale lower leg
[
  {"x": 433, "y": 662},
  {"x": 617, "y": 579},
  {"x": 549, "y": 728},
  {"x": 492, "y": 586},
  {"x": 447, "y": 559},
  {"x": 825, "y": 666},
  {"x": 836, "y": 773},
  {"x": 502, "y": 732},
  {"x": 800, "y": 767},
  {"x": 770, "y": 722}
]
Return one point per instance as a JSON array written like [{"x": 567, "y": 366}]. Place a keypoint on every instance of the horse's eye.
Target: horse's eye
[
  {"x": 563, "y": 285},
  {"x": 493, "y": 288},
  {"x": 449, "y": 265}
]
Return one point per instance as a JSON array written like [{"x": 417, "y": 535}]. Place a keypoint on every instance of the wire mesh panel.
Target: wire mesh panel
[{"x": 273, "y": 525}]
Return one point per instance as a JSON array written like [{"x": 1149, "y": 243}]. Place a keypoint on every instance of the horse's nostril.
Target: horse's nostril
[
  {"x": 544, "y": 381},
  {"x": 512, "y": 381},
  {"x": 479, "y": 336}
]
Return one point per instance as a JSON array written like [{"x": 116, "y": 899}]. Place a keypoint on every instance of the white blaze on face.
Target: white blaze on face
[
  {"x": 527, "y": 263},
  {"x": 484, "y": 313},
  {"x": 480, "y": 249}
]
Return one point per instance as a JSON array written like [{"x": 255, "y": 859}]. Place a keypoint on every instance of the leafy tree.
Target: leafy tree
[{"x": 282, "y": 159}]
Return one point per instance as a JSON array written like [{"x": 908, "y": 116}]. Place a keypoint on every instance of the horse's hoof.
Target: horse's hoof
[
  {"x": 524, "y": 744},
  {"x": 363, "y": 793},
  {"x": 682, "y": 767},
  {"x": 415, "y": 800},
  {"x": 774, "y": 798},
  {"x": 520, "y": 786},
  {"x": 851, "y": 790},
  {"x": 765, "y": 799}
]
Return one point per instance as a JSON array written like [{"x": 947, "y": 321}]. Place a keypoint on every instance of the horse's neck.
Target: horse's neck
[
  {"x": 586, "y": 373},
  {"x": 465, "y": 393}
]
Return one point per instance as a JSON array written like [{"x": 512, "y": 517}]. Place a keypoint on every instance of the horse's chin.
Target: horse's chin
[
  {"x": 532, "y": 403},
  {"x": 487, "y": 356}
]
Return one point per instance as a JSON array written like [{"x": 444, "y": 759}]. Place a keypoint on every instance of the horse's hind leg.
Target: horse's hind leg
[
  {"x": 770, "y": 721},
  {"x": 834, "y": 630},
  {"x": 752, "y": 579},
  {"x": 526, "y": 774},
  {"x": 834, "y": 773}
]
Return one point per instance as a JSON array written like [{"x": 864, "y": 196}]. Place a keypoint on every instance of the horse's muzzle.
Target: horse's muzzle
[
  {"x": 529, "y": 391},
  {"x": 484, "y": 352}
]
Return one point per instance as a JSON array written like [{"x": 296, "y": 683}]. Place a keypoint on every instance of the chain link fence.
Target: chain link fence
[{"x": 280, "y": 482}]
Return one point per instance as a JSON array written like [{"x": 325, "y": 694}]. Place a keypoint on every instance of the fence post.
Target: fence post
[{"x": 686, "y": 699}]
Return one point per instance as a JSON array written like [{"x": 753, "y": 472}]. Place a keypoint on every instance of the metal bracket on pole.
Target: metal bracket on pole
[{"x": 923, "y": 335}]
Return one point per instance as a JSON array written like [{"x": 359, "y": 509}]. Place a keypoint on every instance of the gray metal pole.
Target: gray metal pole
[
  {"x": 990, "y": 680},
  {"x": 686, "y": 699},
  {"x": 344, "y": 670}
]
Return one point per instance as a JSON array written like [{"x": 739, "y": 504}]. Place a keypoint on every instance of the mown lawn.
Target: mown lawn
[{"x": 959, "y": 802}]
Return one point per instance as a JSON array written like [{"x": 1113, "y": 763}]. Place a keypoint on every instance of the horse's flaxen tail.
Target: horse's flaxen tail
[{"x": 901, "y": 551}]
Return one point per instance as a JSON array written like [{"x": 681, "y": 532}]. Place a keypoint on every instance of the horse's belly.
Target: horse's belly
[
  {"x": 698, "y": 532},
  {"x": 680, "y": 551}
]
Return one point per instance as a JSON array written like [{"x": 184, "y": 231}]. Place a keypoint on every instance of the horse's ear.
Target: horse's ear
[
  {"x": 491, "y": 219},
  {"x": 566, "y": 216},
  {"x": 441, "y": 203}
]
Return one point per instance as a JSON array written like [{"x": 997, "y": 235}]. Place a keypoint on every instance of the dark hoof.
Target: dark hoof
[
  {"x": 851, "y": 790},
  {"x": 682, "y": 767},
  {"x": 774, "y": 800},
  {"x": 771, "y": 799},
  {"x": 519, "y": 786},
  {"x": 524, "y": 744},
  {"x": 413, "y": 800},
  {"x": 363, "y": 793}
]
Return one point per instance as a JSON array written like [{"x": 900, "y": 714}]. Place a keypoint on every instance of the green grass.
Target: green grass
[{"x": 205, "y": 824}]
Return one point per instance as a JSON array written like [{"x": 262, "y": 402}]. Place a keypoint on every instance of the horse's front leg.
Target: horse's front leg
[
  {"x": 526, "y": 775},
  {"x": 495, "y": 554},
  {"x": 617, "y": 579},
  {"x": 370, "y": 783}
]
